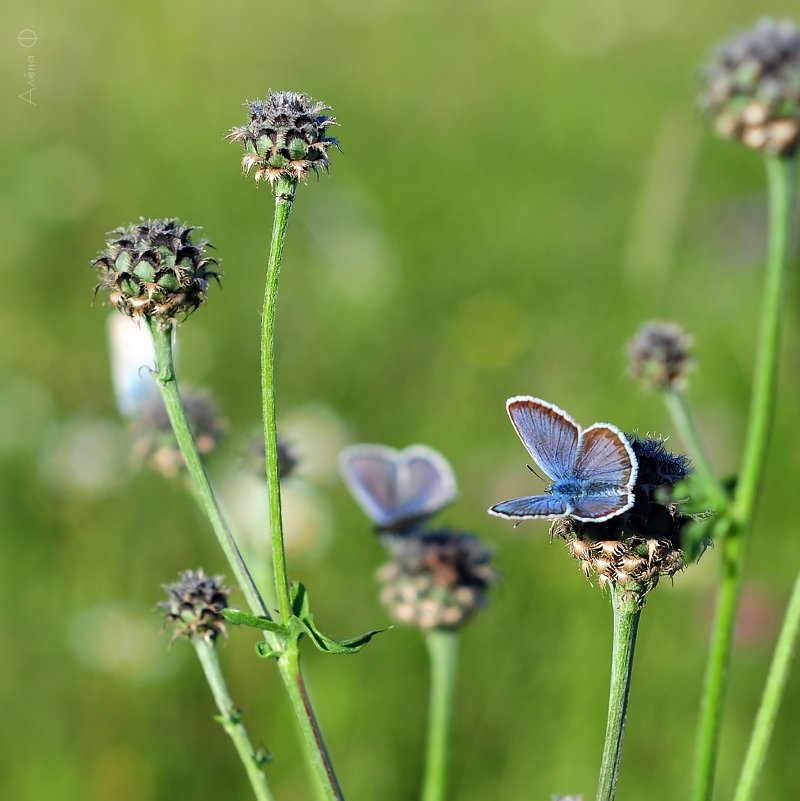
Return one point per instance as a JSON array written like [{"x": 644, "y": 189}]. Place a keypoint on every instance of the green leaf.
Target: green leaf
[
  {"x": 265, "y": 652},
  {"x": 238, "y": 618},
  {"x": 305, "y": 625}
]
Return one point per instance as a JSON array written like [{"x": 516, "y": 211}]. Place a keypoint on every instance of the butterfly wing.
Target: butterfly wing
[
  {"x": 426, "y": 482},
  {"x": 550, "y": 435},
  {"x": 606, "y": 456},
  {"x": 597, "y": 508},
  {"x": 396, "y": 487},
  {"x": 531, "y": 507}
]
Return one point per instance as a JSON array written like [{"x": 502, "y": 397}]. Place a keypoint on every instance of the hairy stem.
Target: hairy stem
[
  {"x": 627, "y": 610},
  {"x": 443, "y": 652},
  {"x": 284, "y": 198},
  {"x": 771, "y": 700},
  {"x": 229, "y": 718},
  {"x": 781, "y": 183}
]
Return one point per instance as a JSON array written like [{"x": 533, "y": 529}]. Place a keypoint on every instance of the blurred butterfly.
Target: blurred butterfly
[
  {"x": 398, "y": 489},
  {"x": 593, "y": 470}
]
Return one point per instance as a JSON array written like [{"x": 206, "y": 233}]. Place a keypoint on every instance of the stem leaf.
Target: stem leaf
[
  {"x": 238, "y": 618},
  {"x": 305, "y": 625}
]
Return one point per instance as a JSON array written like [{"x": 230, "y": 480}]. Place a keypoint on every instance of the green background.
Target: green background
[{"x": 521, "y": 186}]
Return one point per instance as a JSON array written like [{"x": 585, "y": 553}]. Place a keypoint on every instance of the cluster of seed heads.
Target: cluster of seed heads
[
  {"x": 154, "y": 441},
  {"x": 641, "y": 562},
  {"x": 435, "y": 579},
  {"x": 153, "y": 269},
  {"x": 194, "y": 605},
  {"x": 752, "y": 87},
  {"x": 285, "y": 137},
  {"x": 660, "y": 354}
]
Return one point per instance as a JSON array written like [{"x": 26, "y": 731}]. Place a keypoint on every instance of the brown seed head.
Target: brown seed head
[
  {"x": 285, "y": 137},
  {"x": 194, "y": 605},
  {"x": 751, "y": 87},
  {"x": 435, "y": 579},
  {"x": 153, "y": 269},
  {"x": 660, "y": 355}
]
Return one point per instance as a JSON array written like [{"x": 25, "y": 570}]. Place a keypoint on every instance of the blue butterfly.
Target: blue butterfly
[
  {"x": 398, "y": 490},
  {"x": 593, "y": 470}
]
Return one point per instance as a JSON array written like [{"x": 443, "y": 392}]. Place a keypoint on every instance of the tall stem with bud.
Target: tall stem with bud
[
  {"x": 781, "y": 181},
  {"x": 284, "y": 198}
]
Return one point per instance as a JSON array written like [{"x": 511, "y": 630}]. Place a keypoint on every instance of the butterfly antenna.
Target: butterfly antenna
[{"x": 534, "y": 472}]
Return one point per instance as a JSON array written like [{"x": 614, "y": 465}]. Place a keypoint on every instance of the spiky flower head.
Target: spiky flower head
[
  {"x": 152, "y": 269},
  {"x": 642, "y": 544},
  {"x": 194, "y": 605},
  {"x": 752, "y": 87},
  {"x": 285, "y": 137},
  {"x": 435, "y": 579},
  {"x": 660, "y": 354},
  {"x": 154, "y": 441}
]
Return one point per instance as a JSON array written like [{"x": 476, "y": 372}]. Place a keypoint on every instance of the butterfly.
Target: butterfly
[
  {"x": 593, "y": 469},
  {"x": 398, "y": 489}
]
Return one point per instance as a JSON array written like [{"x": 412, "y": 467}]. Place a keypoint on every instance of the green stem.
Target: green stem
[
  {"x": 284, "y": 198},
  {"x": 443, "y": 652},
  {"x": 771, "y": 700},
  {"x": 229, "y": 718},
  {"x": 309, "y": 729},
  {"x": 781, "y": 179},
  {"x": 167, "y": 382},
  {"x": 327, "y": 785},
  {"x": 684, "y": 422},
  {"x": 781, "y": 183},
  {"x": 627, "y": 610}
]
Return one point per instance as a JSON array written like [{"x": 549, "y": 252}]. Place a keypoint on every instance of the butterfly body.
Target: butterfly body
[{"x": 592, "y": 470}]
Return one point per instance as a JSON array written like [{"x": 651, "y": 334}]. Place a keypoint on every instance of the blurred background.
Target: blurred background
[{"x": 521, "y": 186}]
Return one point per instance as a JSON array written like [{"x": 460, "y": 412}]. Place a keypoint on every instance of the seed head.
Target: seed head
[
  {"x": 644, "y": 543},
  {"x": 660, "y": 355},
  {"x": 435, "y": 579},
  {"x": 154, "y": 441},
  {"x": 285, "y": 137},
  {"x": 153, "y": 269},
  {"x": 194, "y": 605},
  {"x": 751, "y": 87}
]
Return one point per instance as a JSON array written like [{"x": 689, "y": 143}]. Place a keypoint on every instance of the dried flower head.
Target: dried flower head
[
  {"x": 436, "y": 579},
  {"x": 285, "y": 137},
  {"x": 154, "y": 440},
  {"x": 660, "y": 354},
  {"x": 153, "y": 269},
  {"x": 644, "y": 543},
  {"x": 752, "y": 87},
  {"x": 194, "y": 605}
]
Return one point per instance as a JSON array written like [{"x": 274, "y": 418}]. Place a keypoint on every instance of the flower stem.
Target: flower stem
[
  {"x": 683, "y": 421},
  {"x": 771, "y": 700},
  {"x": 229, "y": 718},
  {"x": 168, "y": 384},
  {"x": 781, "y": 183},
  {"x": 443, "y": 652},
  {"x": 284, "y": 198},
  {"x": 309, "y": 729},
  {"x": 627, "y": 609}
]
